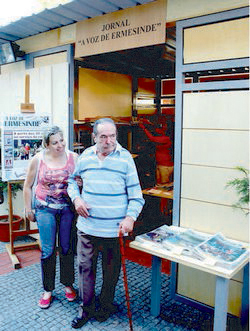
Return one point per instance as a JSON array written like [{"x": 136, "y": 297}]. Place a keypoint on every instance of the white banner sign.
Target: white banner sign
[
  {"x": 22, "y": 136},
  {"x": 138, "y": 26}
]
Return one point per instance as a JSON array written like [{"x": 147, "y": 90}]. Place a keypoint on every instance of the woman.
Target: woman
[
  {"x": 48, "y": 173},
  {"x": 165, "y": 165}
]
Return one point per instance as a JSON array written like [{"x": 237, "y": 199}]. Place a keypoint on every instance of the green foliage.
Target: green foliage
[
  {"x": 14, "y": 187},
  {"x": 241, "y": 185}
]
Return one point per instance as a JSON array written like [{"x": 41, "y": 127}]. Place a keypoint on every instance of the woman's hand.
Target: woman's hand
[
  {"x": 30, "y": 216},
  {"x": 78, "y": 179}
]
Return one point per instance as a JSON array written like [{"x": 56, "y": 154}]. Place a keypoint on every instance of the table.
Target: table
[
  {"x": 222, "y": 279},
  {"x": 11, "y": 248},
  {"x": 159, "y": 191},
  {"x": 164, "y": 193}
]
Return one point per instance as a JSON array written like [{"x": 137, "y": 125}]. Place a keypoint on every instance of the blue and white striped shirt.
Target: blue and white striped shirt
[{"x": 110, "y": 187}]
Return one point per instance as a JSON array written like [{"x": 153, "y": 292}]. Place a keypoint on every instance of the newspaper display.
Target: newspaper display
[
  {"x": 156, "y": 236},
  {"x": 209, "y": 249},
  {"x": 21, "y": 136},
  {"x": 221, "y": 251},
  {"x": 173, "y": 238}
]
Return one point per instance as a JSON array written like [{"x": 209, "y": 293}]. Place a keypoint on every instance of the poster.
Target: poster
[{"x": 21, "y": 136}]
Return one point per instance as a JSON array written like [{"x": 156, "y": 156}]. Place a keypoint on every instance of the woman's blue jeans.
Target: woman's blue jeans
[{"x": 56, "y": 224}]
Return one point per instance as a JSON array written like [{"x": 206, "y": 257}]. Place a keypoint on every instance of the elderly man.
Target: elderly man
[{"x": 109, "y": 204}]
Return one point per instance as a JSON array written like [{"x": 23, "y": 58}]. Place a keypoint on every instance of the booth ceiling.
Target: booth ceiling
[
  {"x": 151, "y": 61},
  {"x": 65, "y": 14}
]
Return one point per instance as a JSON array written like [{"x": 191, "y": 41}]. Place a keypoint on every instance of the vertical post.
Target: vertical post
[
  {"x": 158, "y": 95},
  {"x": 220, "y": 307},
  {"x": 70, "y": 59},
  {"x": 245, "y": 297},
  {"x": 10, "y": 217},
  {"x": 156, "y": 286},
  {"x": 130, "y": 140},
  {"x": 134, "y": 92},
  {"x": 27, "y": 89}
]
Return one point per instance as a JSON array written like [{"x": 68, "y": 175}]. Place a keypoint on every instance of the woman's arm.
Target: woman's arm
[
  {"x": 163, "y": 139},
  {"x": 77, "y": 178},
  {"x": 27, "y": 188}
]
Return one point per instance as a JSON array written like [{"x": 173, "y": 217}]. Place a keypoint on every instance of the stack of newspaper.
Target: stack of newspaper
[
  {"x": 210, "y": 249},
  {"x": 220, "y": 251}
]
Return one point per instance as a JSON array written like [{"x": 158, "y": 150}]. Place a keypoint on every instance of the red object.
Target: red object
[
  {"x": 45, "y": 303},
  {"x": 125, "y": 279},
  {"x": 5, "y": 226},
  {"x": 143, "y": 258},
  {"x": 70, "y": 296},
  {"x": 26, "y": 258}
]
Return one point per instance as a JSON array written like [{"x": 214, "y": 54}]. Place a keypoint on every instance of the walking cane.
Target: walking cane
[{"x": 125, "y": 280}]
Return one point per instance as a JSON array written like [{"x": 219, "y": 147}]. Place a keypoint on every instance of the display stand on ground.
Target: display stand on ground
[
  {"x": 223, "y": 274},
  {"x": 11, "y": 248}
]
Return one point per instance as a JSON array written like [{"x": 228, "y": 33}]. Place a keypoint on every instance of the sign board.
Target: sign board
[
  {"x": 21, "y": 137},
  {"x": 138, "y": 26}
]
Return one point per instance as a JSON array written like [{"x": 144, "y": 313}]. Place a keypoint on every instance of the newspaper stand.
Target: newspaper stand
[
  {"x": 11, "y": 248},
  {"x": 223, "y": 275}
]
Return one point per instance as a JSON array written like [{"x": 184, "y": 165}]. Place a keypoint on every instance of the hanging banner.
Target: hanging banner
[
  {"x": 21, "y": 137},
  {"x": 138, "y": 26}
]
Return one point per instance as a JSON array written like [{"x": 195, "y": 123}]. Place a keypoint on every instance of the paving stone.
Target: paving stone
[{"x": 20, "y": 291}]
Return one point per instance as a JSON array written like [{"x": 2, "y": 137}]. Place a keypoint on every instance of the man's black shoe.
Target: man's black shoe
[
  {"x": 78, "y": 322},
  {"x": 112, "y": 308},
  {"x": 104, "y": 313}
]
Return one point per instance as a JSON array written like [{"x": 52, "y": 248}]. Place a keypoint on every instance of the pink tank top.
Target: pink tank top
[{"x": 52, "y": 183}]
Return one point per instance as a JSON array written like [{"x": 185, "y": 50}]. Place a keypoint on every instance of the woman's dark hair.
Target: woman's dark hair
[{"x": 53, "y": 130}]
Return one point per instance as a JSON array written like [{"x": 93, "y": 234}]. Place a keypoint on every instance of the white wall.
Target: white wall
[
  {"x": 215, "y": 141},
  {"x": 48, "y": 92},
  {"x": 182, "y": 9}
]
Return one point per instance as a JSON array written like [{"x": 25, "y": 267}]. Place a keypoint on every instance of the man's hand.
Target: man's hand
[
  {"x": 126, "y": 225},
  {"x": 81, "y": 207}
]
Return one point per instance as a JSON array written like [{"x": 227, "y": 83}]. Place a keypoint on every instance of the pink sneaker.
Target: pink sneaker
[
  {"x": 45, "y": 303},
  {"x": 70, "y": 296}
]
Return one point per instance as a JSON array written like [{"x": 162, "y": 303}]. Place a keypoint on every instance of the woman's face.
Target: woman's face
[{"x": 56, "y": 143}]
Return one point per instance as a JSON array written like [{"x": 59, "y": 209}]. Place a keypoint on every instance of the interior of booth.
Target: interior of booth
[
  {"x": 134, "y": 86},
  {"x": 131, "y": 86},
  {"x": 144, "y": 81}
]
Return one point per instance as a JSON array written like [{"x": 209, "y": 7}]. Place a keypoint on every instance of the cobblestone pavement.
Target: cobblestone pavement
[{"x": 21, "y": 289}]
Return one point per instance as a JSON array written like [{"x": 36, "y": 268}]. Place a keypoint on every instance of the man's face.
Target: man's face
[{"x": 105, "y": 138}]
